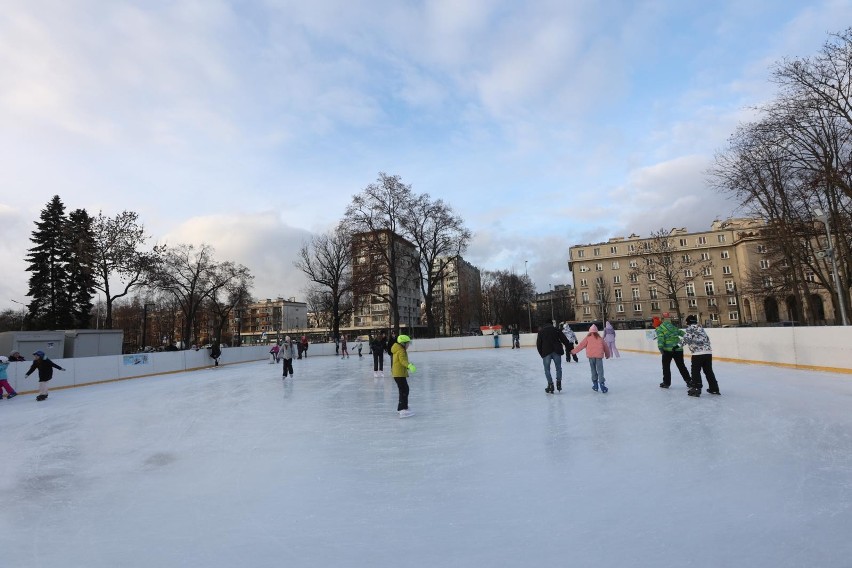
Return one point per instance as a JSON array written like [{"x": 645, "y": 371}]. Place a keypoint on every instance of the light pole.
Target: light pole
[
  {"x": 551, "y": 305},
  {"x": 22, "y": 313},
  {"x": 529, "y": 312},
  {"x": 145, "y": 324},
  {"x": 820, "y": 215}
]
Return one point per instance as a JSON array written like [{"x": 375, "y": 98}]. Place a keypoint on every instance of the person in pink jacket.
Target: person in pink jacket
[{"x": 596, "y": 350}]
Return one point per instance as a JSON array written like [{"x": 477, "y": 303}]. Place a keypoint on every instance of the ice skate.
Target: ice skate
[
  {"x": 559, "y": 385},
  {"x": 406, "y": 413},
  {"x": 549, "y": 388},
  {"x": 604, "y": 388},
  {"x": 694, "y": 392},
  {"x": 41, "y": 397},
  {"x": 595, "y": 386},
  {"x": 12, "y": 395},
  {"x": 708, "y": 390},
  {"x": 664, "y": 386}
]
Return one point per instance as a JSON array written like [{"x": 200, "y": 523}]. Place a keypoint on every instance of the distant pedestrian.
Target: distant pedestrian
[
  {"x": 698, "y": 342},
  {"x": 4, "y": 379},
  {"x": 516, "y": 338},
  {"x": 304, "y": 343},
  {"x": 337, "y": 345},
  {"x": 216, "y": 352},
  {"x": 14, "y": 356},
  {"x": 609, "y": 337},
  {"x": 45, "y": 369},
  {"x": 596, "y": 350},
  {"x": 344, "y": 349},
  {"x": 399, "y": 369},
  {"x": 668, "y": 342},
  {"x": 378, "y": 346},
  {"x": 549, "y": 344},
  {"x": 572, "y": 339},
  {"x": 286, "y": 353}
]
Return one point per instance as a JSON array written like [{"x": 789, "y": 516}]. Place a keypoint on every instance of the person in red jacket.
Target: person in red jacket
[{"x": 45, "y": 369}]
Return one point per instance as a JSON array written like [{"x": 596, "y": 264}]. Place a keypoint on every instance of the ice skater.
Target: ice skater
[
  {"x": 273, "y": 354},
  {"x": 286, "y": 353},
  {"x": 549, "y": 344},
  {"x": 572, "y": 339},
  {"x": 668, "y": 342},
  {"x": 216, "y": 352},
  {"x": 516, "y": 338},
  {"x": 400, "y": 367},
  {"x": 344, "y": 349},
  {"x": 45, "y": 372},
  {"x": 596, "y": 350},
  {"x": 378, "y": 346},
  {"x": 609, "y": 337},
  {"x": 4, "y": 380},
  {"x": 359, "y": 346},
  {"x": 698, "y": 342}
]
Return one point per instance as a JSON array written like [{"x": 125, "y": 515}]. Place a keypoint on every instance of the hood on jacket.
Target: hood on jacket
[{"x": 593, "y": 329}]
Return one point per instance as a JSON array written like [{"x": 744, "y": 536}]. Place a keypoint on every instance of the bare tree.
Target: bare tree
[
  {"x": 118, "y": 258},
  {"x": 661, "y": 263},
  {"x": 603, "y": 298},
  {"x": 327, "y": 261},
  {"x": 440, "y": 237}
]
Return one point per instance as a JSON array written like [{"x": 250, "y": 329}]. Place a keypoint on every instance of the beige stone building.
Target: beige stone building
[
  {"x": 267, "y": 321},
  {"x": 458, "y": 297},
  {"x": 719, "y": 268}
]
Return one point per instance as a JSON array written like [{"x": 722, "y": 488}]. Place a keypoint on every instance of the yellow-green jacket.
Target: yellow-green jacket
[{"x": 399, "y": 367}]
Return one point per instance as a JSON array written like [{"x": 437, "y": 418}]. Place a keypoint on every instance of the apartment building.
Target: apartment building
[
  {"x": 458, "y": 297},
  {"x": 718, "y": 269},
  {"x": 370, "y": 275},
  {"x": 269, "y": 320}
]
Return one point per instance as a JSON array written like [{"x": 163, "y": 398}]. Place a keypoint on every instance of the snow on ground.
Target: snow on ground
[{"x": 235, "y": 467}]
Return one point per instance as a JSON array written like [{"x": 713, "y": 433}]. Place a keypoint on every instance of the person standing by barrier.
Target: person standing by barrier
[
  {"x": 45, "y": 369},
  {"x": 609, "y": 337},
  {"x": 400, "y": 367},
  {"x": 4, "y": 380},
  {"x": 378, "y": 346},
  {"x": 549, "y": 344},
  {"x": 668, "y": 342},
  {"x": 516, "y": 338},
  {"x": 698, "y": 342},
  {"x": 216, "y": 352}
]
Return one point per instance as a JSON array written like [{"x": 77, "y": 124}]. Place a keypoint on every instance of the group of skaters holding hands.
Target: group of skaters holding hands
[{"x": 553, "y": 343}]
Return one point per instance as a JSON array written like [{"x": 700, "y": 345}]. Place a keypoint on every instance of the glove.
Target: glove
[{"x": 411, "y": 367}]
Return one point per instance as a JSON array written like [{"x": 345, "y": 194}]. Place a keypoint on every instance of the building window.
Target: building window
[
  {"x": 618, "y": 295},
  {"x": 709, "y": 289},
  {"x": 683, "y": 242},
  {"x": 597, "y": 251},
  {"x": 652, "y": 276},
  {"x": 613, "y": 250},
  {"x": 705, "y": 256},
  {"x": 688, "y": 273},
  {"x": 721, "y": 238},
  {"x": 616, "y": 279},
  {"x": 583, "y": 282},
  {"x": 726, "y": 270},
  {"x": 725, "y": 255},
  {"x": 599, "y": 280},
  {"x": 809, "y": 276},
  {"x": 631, "y": 248},
  {"x": 581, "y": 253},
  {"x": 690, "y": 289},
  {"x": 655, "y": 306},
  {"x": 707, "y": 271},
  {"x": 711, "y": 302},
  {"x": 685, "y": 258},
  {"x": 671, "y": 304},
  {"x": 714, "y": 317},
  {"x": 635, "y": 293},
  {"x": 693, "y": 303},
  {"x": 615, "y": 265},
  {"x": 634, "y": 278},
  {"x": 767, "y": 282},
  {"x": 764, "y": 264},
  {"x": 585, "y": 297},
  {"x": 619, "y": 308},
  {"x": 587, "y": 310},
  {"x": 702, "y": 240},
  {"x": 637, "y": 307},
  {"x": 733, "y": 316},
  {"x": 761, "y": 249},
  {"x": 633, "y": 264},
  {"x": 584, "y": 268},
  {"x": 599, "y": 267},
  {"x": 732, "y": 300},
  {"x": 653, "y": 293}
]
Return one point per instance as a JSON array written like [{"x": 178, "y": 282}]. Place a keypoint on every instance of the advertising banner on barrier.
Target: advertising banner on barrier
[{"x": 136, "y": 359}]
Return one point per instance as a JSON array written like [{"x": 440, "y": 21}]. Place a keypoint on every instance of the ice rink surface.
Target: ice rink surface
[{"x": 236, "y": 467}]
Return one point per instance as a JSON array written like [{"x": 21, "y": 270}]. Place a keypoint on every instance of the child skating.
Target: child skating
[
  {"x": 609, "y": 337},
  {"x": 698, "y": 342},
  {"x": 596, "y": 350},
  {"x": 286, "y": 353},
  {"x": 4, "y": 379},
  {"x": 400, "y": 369},
  {"x": 45, "y": 369},
  {"x": 344, "y": 349}
]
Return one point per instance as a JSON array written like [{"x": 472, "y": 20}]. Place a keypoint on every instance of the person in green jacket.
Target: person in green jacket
[
  {"x": 668, "y": 342},
  {"x": 399, "y": 369}
]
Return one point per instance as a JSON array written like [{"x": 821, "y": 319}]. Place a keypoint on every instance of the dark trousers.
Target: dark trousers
[
  {"x": 703, "y": 363},
  {"x": 668, "y": 356},
  {"x": 288, "y": 367},
  {"x": 378, "y": 361},
  {"x": 402, "y": 383}
]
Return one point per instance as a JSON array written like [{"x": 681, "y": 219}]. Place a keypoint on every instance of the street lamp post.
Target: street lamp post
[
  {"x": 529, "y": 311},
  {"x": 145, "y": 324},
  {"x": 551, "y": 305},
  {"x": 820, "y": 215},
  {"x": 22, "y": 313}
]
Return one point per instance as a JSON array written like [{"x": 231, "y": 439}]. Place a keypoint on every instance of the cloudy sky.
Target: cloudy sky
[{"x": 250, "y": 124}]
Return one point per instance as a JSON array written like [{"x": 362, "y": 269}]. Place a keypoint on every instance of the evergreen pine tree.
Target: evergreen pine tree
[
  {"x": 81, "y": 283},
  {"x": 48, "y": 285}
]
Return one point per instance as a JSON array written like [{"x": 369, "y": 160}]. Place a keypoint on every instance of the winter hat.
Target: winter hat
[
  {"x": 403, "y": 339},
  {"x": 593, "y": 329},
  {"x": 39, "y": 353},
  {"x": 4, "y": 359},
  {"x": 666, "y": 315},
  {"x": 691, "y": 319}
]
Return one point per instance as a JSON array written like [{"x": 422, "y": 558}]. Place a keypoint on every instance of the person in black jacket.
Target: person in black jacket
[
  {"x": 45, "y": 372},
  {"x": 549, "y": 344},
  {"x": 378, "y": 345}
]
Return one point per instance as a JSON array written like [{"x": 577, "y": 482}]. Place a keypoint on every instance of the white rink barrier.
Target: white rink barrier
[{"x": 814, "y": 348}]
